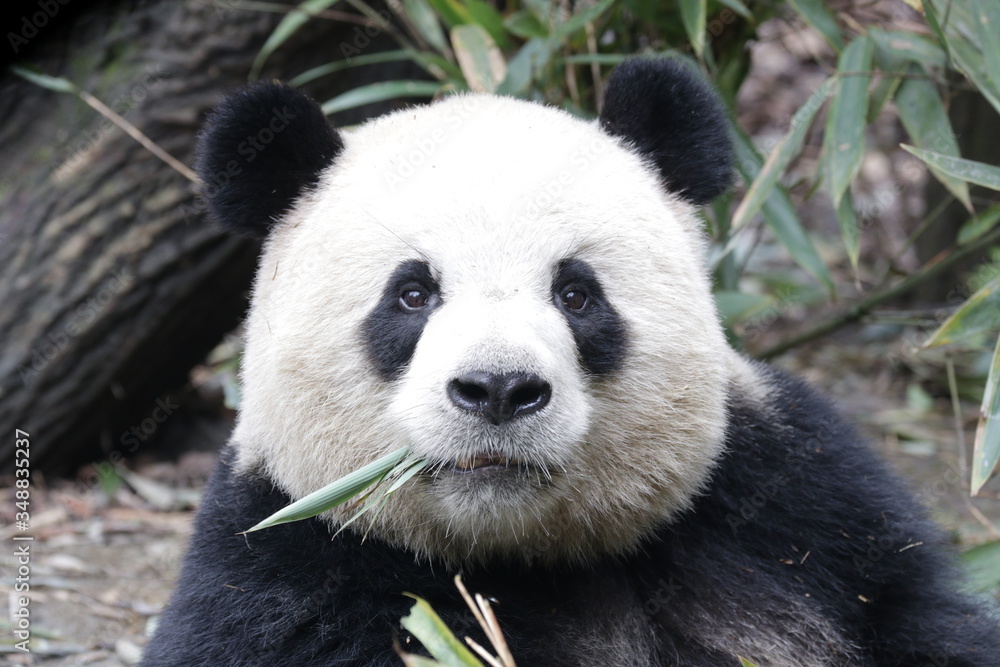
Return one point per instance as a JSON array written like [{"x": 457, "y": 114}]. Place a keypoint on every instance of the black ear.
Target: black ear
[
  {"x": 259, "y": 150},
  {"x": 673, "y": 117}
]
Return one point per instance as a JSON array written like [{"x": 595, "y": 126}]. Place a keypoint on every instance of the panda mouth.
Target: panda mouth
[{"x": 485, "y": 461}]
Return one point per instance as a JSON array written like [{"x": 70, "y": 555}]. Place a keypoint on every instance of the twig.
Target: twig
[
  {"x": 134, "y": 132},
  {"x": 863, "y": 307}
]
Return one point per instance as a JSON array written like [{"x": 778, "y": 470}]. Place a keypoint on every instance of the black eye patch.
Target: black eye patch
[
  {"x": 394, "y": 326},
  {"x": 599, "y": 331}
]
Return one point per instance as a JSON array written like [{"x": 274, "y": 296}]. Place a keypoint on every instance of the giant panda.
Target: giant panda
[{"x": 521, "y": 297}]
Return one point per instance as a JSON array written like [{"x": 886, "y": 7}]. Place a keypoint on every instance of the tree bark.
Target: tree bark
[{"x": 113, "y": 285}]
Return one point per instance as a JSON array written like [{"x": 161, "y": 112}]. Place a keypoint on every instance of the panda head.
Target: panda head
[{"x": 518, "y": 295}]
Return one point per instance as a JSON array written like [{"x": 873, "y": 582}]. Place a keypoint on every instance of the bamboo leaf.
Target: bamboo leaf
[
  {"x": 336, "y": 493},
  {"x": 422, "y": 15},
  {"x": 902, "y": 47},
  {"x": 847, "y": 220},
  {"x": 782, "y": 155},
  {"x": 377, "y": 92},
  {"x": 980, "y": 313},
  {"x": 693, "y": 14},
  {"x": 288, "y": 26},
  {"x": 581, "y": 18},
  {"x": 979, "y": 225},
  {"x": 780, "y": 215},
  {"x": 986, "y": 14},
  {"x": 488, "y": 18},
  {"x": 54, "y": 83},
  {"x": 982, "y": 566},
  {"x": 452, "y": 11},
  {"x": 358, "y": 61},
  {"x": 844, "y": 140},
  {"x": 986, "y": 451},
  {"x": 746, "y": 663},
  {"x": 816, "y": 14},
  {"x": 978, "y": 173},
  {"x": 479, "y": 57},
  {"x": 970, "y": 62},
  {"x": 926, "y": 121},
  {"x": 738, "y": 7},
  {"x": 525, "y": 24},
  {"x": 535, "y": 55},
  {"x": 424, "y": 623}
]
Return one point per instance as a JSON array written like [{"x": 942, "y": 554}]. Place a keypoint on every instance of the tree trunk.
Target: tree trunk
[{"x": 113, "y": 285}]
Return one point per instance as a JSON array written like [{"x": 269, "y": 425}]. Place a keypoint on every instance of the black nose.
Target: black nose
[{"x": 500, "y": 397}]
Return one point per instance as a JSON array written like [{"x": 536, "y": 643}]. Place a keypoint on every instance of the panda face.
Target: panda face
[{"x": 510, "y": 292}]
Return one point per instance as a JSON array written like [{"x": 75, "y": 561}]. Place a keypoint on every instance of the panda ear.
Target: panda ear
[
  {"x": 259, "y": 150},
  {"x": 674, "y": 118}
]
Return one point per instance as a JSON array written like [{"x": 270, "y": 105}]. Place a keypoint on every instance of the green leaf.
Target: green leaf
[
  {"x": 884, "y": 91},
  {"x": 979, "y": 225},
  {"x": 338, "y": 65},
  {"x": 288, "y": 26},
  {"x": 525, "y": 24},
  {"x": 453, "y": 12},
  {"x": 986, "y": 451},
  {"x": 816, "y": 14},
  {"x": 780, "y": 214},
  {"x": 527, "y": 64},
  {"x": 746, "y": 663},
  {"x": 536, "y": 54},
  {"x": 930, "y": 13},
  {"x": 847, "y": 220},
  {"x": 926, "y": 121},
  {"x": 978, "y": 173},
  {"x": 898, "y": 47},
  {"x": 986, "y": 14},
  {"x": 980, "y": 313},
  {"x": 582, "y": 18},
  {"x": 377, "y": 92},
  {"x": 844, "y": 139},
  {"x": 489, "y": 19},
  {"x": 971, "y": 63},
  {"x": 782, "y": 155},
  {"x": 982, "y": 566},
  {"x": 734, "y": 307},
  {"x": 693, "y": 16},
  {"x": 53, "y": 83},
  {"x": 738, "y": 7},
  {"x": 426, "y": 22},
  {"x": 599, "y": 58},
  {"x": 336, "y": 493},
  {"x": 424, "y": 624},
  {"x": 479, "y": 57}
]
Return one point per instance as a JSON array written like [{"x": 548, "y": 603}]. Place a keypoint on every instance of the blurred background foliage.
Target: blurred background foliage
[{"x": 909, "y": 63}]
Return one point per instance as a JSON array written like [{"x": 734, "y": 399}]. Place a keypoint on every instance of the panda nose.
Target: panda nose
[{"x": 499, "y": 397}]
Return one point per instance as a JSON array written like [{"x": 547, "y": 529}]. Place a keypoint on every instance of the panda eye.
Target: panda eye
[
  {"x": 414, "y": 298},
  {"x": 574, "y": 299}
]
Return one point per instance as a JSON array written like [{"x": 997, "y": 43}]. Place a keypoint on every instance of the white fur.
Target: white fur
[{"x": 492, "y": 193}]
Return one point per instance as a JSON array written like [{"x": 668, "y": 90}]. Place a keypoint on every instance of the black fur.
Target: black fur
[
  {"x": 259, "y": 150},
  {"x": 599, "y": 331},
  {"x": 391, "y": 331},
  {"x": 676, "y": 120},
  {"x": 799, "y": 513}
]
